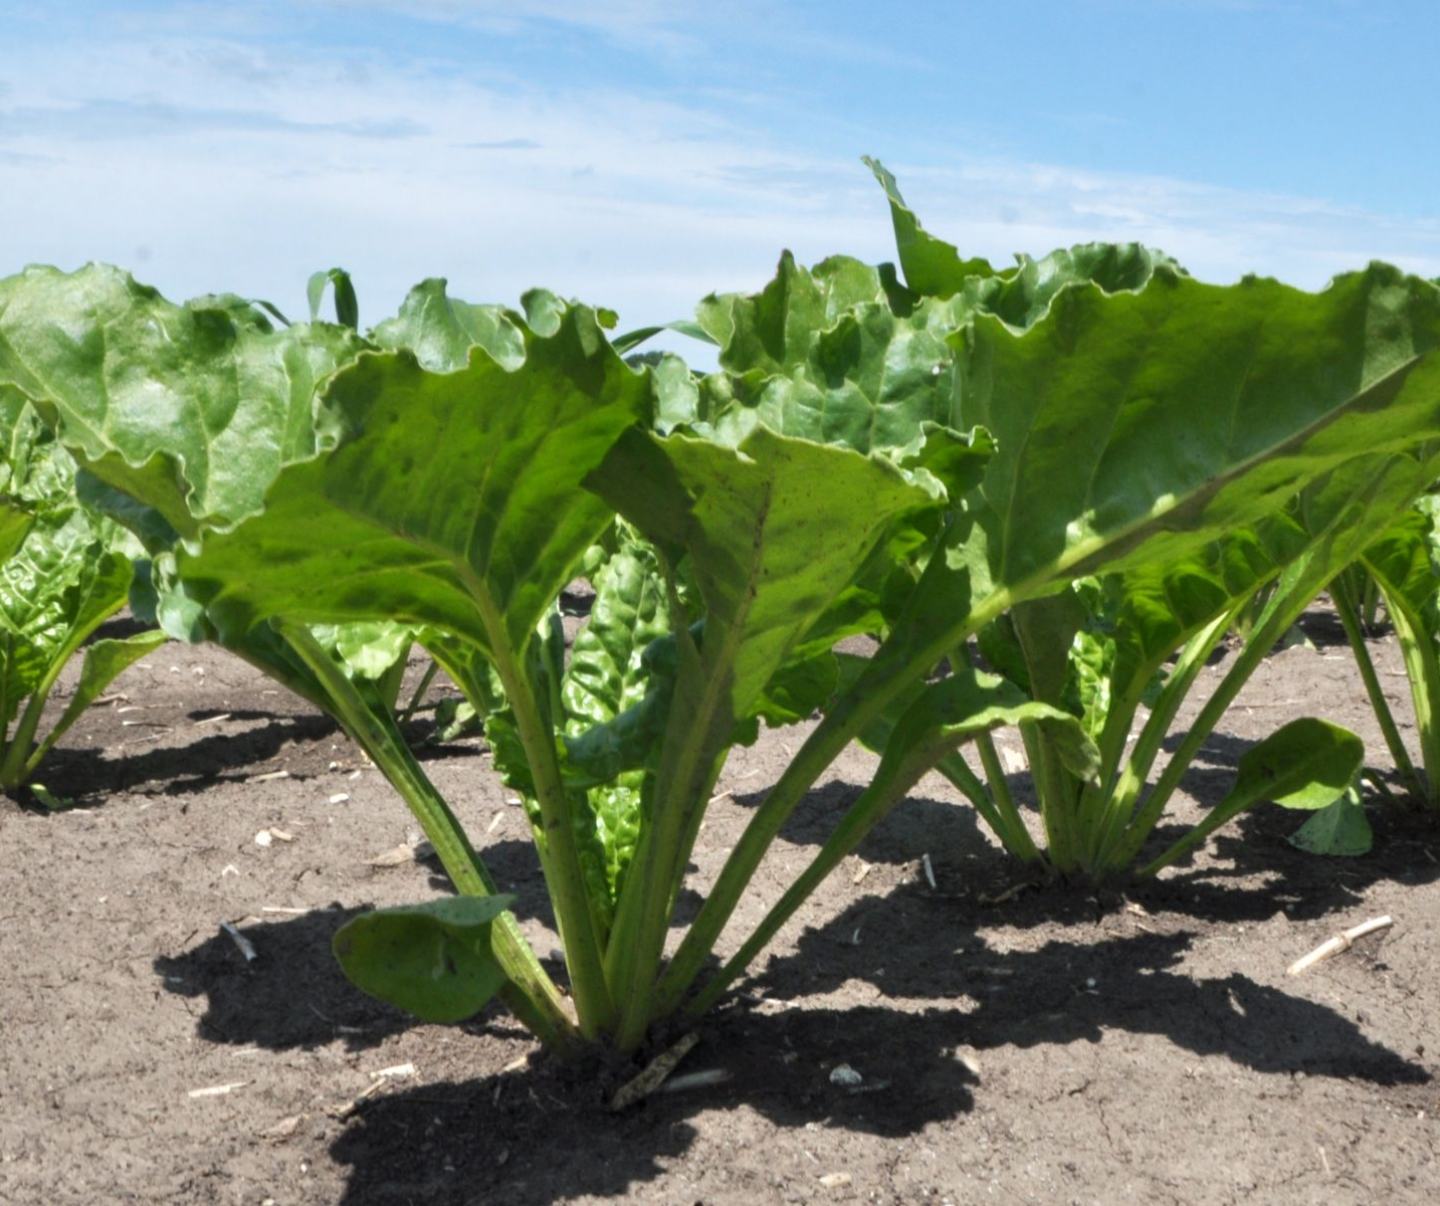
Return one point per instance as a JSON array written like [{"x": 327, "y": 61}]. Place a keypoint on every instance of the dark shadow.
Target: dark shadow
[
  {"x": 119, "y": 627},
  {"x": 919, "y": 825},
  {"x": 543, "y": 1134},
  {"x": 1322, "y": 627},
  {"x": 916, "y": 945},
  {"x": 1250, "y": 872},
  {"x": 181, "y": 769},
  {"x": 291, "y": 995}
]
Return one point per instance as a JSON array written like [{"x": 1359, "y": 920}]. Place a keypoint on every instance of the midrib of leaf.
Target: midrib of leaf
[
  {"x": 1011, "y": 526},
  {"x": 1081, "y": 550}
]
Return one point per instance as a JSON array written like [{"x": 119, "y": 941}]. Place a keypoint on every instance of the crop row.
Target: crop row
[{"x": 1048, "y": 492}]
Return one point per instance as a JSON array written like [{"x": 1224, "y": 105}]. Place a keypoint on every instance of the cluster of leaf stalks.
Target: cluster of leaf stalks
[{"x": 1048, "y": 492}]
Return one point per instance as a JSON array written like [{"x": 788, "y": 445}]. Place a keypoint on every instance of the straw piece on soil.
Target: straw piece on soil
[
  {"x": 394, "y": 1072},
  {"x": 269, "y": 776},
  {"x": 696, "y": 1080},
  {"x": 246, "y": 947},
  {"x": 218, "y": 1090},
  {"x": 1341, "y": 942},
  {"x": 347, "y": 1108},
  {"x": 640, "y": 1087},
  {"x": 397, "y": 856}
]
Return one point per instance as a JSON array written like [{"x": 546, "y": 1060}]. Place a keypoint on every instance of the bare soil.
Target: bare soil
[{"x": 1050, "y": 1046}]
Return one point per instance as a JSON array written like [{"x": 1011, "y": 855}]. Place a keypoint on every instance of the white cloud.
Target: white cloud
[{"x": 214, "y": 162}]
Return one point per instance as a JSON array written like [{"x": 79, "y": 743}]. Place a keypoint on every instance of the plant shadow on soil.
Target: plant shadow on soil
[
  {"x": 542, "y": 1132},
  {"x": 220, "y": 757},
  {"x": 1247, "y": 871}
]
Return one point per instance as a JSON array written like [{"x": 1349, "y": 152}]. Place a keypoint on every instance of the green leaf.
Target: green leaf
[
  {"x": 608, "y": 676},
  {"x": 347, "y": 308},
  {"x": 190, "y": 409},
  {"x": 1339, "y": 829},
  {"x": 370, "y": 649},
  {"x": 434, "y": 960},
  {"x": 773, "y": 530},
  {"x": 957, "y": 709},
  {"x": 1020, "y": 295},
  {"x": 832, "y": 354},
  {"x": 102, "y": 663},
  {"x": 974, "y": 702},
  {"x": 441, "y": 330},
  {"x": 932, "y": 267},
  {"x": 16, "y": 520},
  {"x": 451, "y": 499},
  {"x": 1305, "y": 765}
]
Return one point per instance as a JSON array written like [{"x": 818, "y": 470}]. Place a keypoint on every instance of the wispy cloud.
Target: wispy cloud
[
  {"x": 501, "y": 144},
  {"x": 307, "y": 156},
  {"x": 665, "y": 25},
  {"x": 110, "y": 119}
]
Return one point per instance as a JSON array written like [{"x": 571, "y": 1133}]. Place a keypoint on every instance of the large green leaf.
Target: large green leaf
[
  {"x": 435, "y": 959},
  {"x": 192, "y": 409},
  {"x": 451, "y": 499},
  {"x": 773, "y": 530}
]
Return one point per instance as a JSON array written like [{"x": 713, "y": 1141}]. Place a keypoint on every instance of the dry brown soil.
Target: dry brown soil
[{"x": 1056, "y": 1046}]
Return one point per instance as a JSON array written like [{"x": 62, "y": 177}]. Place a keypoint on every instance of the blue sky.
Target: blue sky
[{"x": 640, "y": 153}]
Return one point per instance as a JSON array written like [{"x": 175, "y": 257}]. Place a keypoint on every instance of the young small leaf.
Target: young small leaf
[
  {"x": 1339, "y": 829},
  {"x": 434, "y": 959}
]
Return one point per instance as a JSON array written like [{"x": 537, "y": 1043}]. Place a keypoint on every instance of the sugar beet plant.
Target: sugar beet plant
[
  {"x": 1403, "y": 568},
  {"x": 910, "y": 461},
  {"x": 64, "y": 571},
  {"x": 1115, "y": 642}
]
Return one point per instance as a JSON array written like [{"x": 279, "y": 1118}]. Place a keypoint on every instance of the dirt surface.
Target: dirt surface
[{"x": 1053, "y": 1046}]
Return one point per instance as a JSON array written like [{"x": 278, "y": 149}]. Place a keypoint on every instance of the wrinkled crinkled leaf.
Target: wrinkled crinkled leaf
[
  {"x": 452, "y": 499},
  {"x": 434, "y": 959},
  {"x": 370, "y": 649},
  {"x": 192, "y": 409},
  {"x": 441, "y": 330},
  {"x": 1404, "y": 560},
  {"x": 56, "y": 588},
  {"x": 606, "y": 677},
  {"x": 16, "y": 521},
  {"x": 774, "y": 530},
  {"x": 1019, "y": 295},
  {"x": 63, "y": 572}
]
